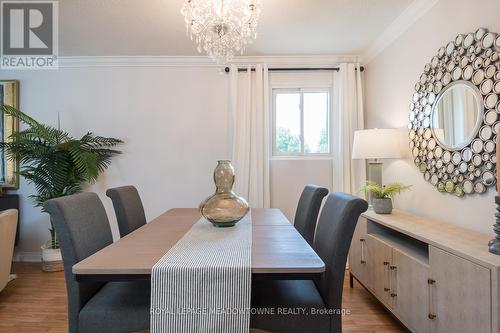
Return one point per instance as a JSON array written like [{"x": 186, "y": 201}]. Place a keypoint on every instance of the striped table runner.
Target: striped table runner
[{"x": 203, "y": 283}]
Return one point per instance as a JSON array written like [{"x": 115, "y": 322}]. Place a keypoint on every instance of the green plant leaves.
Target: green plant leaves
[
  {"x": 53, "y": 161},
  {"x": 386, "y": 191}
]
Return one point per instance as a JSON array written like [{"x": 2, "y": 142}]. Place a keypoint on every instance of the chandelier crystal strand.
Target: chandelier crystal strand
[{"x": 221, "y": 28}]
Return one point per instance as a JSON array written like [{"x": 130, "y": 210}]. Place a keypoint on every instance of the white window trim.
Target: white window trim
[{"x": 302, "y": 87}]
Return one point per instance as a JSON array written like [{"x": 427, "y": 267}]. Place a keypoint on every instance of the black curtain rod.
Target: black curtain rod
[{"x": 227, "y": 69}]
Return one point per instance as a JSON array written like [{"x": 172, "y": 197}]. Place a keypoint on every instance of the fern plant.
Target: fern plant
[
  {"x": 55, "y": 163},
  {"x": 386, "y": 191}
]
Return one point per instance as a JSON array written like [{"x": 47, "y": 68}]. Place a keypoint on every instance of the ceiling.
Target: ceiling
[{"x": 287, "y": 27}]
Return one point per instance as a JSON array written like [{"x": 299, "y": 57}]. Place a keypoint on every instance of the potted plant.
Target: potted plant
[
  {"x": 56, "y": 164},
  {"x": 382, "y": 195}
]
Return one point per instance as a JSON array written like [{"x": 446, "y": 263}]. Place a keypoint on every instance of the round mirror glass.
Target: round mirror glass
[{"x": 456, "y": 115}]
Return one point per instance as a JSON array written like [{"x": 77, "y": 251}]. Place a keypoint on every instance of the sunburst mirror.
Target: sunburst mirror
[{"x": 455, "y": 115}]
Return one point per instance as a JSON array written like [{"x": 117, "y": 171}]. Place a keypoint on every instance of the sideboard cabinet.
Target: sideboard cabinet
[{"x": 433, "y": 276}]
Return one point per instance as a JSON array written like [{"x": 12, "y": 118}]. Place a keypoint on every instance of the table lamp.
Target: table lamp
[{"x": 376, "y": 144}]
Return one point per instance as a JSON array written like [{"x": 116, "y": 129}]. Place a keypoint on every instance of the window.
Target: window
[{"x": 301, "y": 122}]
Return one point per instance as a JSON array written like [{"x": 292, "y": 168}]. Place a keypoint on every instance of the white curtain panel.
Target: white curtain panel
[
  {"x": 348, "y": 174},
  {"x": 249, "y": 104}
]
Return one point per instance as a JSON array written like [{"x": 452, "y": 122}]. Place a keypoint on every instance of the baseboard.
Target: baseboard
[{"x": 27, "y": 257}]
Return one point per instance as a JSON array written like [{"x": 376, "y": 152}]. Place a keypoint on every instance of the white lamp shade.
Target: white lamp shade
[{"x": 377, "y": 144}]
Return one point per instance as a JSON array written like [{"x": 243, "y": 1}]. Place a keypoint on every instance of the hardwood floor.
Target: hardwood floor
[
  {"x": 36, "y": 302},
  {"x": 367, "y": 314}
]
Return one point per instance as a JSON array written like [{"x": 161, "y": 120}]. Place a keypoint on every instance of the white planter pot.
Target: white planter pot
[{"x": 51, "y": 259}]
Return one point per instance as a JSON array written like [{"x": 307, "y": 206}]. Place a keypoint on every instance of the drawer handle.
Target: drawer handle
[
  {"x": 387, "y": 285},
  {"x": 431, "y": 283},
  {"x": 363, "y": 259},
  {"x": 393, "y": 280},
  {"x": 388, "y": 275}
]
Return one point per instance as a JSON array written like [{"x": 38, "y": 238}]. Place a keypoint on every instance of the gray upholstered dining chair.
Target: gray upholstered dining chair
[
  {"x": 128, "y": 208},
  {"x": 333, "y": 237},
  {"x": 83, "y": 228},
  {"x": 307, "y": 212}
]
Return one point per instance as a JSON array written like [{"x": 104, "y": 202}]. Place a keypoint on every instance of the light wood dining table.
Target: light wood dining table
[{"x": 278, "y": 250}]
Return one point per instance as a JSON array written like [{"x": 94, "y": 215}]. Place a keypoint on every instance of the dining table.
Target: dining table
[{"x": 278, "y": 250}]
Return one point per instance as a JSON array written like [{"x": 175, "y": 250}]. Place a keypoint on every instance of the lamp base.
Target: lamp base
[{"x": 374, "y": 174}]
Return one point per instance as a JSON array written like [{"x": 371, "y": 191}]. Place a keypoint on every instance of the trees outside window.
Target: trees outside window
[{"x": 301, "y": 122}]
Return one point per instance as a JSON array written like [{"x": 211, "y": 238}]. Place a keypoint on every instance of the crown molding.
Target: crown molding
[
  {"x": 199, "y": 61},
  {"x": 400, "y": 25},
  {"x": 134, "y": 61}
]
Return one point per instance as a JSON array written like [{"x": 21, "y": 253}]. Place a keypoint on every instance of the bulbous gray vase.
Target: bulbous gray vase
[{"x": 224, "y": 208}]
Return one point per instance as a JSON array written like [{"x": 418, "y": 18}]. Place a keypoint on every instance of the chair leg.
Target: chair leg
[{"x": 351, "y": 280}]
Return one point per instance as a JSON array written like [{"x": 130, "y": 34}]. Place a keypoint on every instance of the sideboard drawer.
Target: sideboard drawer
[
  {"x": 357, "y": 253},
  {"x": 462, "y": 294},
  {"x": 409, "y": 285}
]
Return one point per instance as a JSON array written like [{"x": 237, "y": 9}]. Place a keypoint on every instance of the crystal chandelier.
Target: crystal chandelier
[{"x": 221, "y": 27}]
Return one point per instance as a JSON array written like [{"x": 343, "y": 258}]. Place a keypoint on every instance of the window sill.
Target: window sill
[{"x": 302, "y": 158}]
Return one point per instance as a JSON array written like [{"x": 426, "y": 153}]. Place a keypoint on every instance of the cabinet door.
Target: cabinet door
[
  {"x": 409, "y": 291},
  {"x": 461, "y": 294},
  {"x": 357, "y": 252},
  {"x": 378, "y": 260}
]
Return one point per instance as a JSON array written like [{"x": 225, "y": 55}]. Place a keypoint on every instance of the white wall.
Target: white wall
[
  {"x": 390, "y": 79},
  {"x": 173, "y": 122},
  {"x": 288, "y": 178}
]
